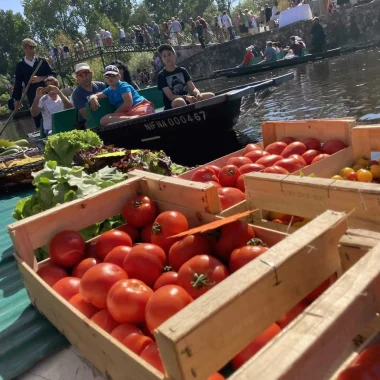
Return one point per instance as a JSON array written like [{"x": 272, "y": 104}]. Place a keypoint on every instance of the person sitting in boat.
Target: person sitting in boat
[
  {"x": 255, "y": 51},
  {"x": 176, "y": 85},
  {"x": 128, "y": 102},
  {"x": 290, "y": 54},
  {"x": 295, "y": 46},
  {"x": 269, "y": 54},
  {"x": 247, "y": 57}
]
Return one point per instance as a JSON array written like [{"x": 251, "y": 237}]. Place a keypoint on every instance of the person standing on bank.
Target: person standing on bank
[
  {"x": 23, "y": 73},
  {"x": 318, "y": 36},
  {"x": 177, "y": 88}
]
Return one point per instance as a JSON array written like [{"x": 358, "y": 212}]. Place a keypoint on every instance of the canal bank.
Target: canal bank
[{"x": 347, "y": 28}]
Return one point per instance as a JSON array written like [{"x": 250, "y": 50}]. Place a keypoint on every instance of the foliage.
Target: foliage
[
  {"x": 61, "y": 147},
  {"x": 13, "y": 29},
  {"x": 139, "y": 61}
]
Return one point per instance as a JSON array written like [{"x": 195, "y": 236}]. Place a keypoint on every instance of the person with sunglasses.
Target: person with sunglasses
[
  {"x": 23, "y": 73},
  {"x": 127, "y": 101},
  {"x": 86, "y": 87}
]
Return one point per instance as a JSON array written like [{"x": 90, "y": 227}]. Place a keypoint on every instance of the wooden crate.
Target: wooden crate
[
  {"x": 365, "y": 140},
  {"x": 323, "y": 340}
]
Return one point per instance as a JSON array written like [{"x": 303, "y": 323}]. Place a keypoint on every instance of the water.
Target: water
[{"x": 348, "y": 85}]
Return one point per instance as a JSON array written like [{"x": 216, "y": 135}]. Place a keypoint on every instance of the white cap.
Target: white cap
[{"x": 82, "y": 66}]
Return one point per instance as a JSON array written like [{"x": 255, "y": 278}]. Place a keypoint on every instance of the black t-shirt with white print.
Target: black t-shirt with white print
[{"x": 176, "y": 80}]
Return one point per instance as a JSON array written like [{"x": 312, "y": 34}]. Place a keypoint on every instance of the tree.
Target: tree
[{"x": 13, "y": 29}]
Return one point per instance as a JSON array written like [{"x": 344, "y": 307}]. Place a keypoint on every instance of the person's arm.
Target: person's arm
[
  {"x": 94, "y": 100},
  {"x": 169, "y": 94},
  {"x": 66, "y": 102},
  {"x": 193, "y": 90},
  {"x": 128, "y": 102},
  {"x": 35, "y": 109}
]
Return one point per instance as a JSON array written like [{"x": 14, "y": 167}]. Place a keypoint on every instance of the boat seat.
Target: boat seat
[
  {"x": 93, "y": 117},
  {"x": 254, "y": 61},
  {"x": 64, "y": 121},
  {"x": 304, "y": 52},
  {"x": 154, "y": 95},
  {"x": 279, "y": 55}
]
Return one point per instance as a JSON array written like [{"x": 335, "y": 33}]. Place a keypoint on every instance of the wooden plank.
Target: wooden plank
[
  {"x": 365, "y": 139},
  {"x": 308, "y": 347},
  {"x": 110, "y": 357},
  {"x": 257, "y": 293},
  {"x": 195, "y": 195}
]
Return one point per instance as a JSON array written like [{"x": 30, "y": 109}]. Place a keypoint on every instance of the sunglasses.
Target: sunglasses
[
  {"x": 83, "y": 73},
  {"x": 110, "y": 76}
]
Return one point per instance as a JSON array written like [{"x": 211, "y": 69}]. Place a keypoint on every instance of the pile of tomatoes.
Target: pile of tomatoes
[
  {"x": 132, "y": 279},
  {"x": 365, "y": 367},
  {"x": 282, "y": 157},
  {"x": 363, "y": 170}
]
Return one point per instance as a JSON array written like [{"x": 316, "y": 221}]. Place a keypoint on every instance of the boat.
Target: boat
[
  {"x": 259, "y": 67},
  {"x": 192, "y": 134}
]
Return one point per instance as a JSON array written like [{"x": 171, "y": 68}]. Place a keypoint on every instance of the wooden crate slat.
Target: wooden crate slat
[
  {"x": 365, "y": 139},
  {"x": 307, "y": 348},
  {"x": 208, "y": 328}
]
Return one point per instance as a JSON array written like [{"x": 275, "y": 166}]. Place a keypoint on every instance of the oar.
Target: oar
[{"x": 23, "y": 95}]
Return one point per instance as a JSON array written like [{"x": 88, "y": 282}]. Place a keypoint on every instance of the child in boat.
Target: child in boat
[
  {"x": 128, "y": 102},
  {"x": 177, "y": 88},
  {"x": 247, "y": 57}
]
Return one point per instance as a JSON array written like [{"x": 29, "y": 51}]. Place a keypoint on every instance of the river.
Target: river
[{"x": 348, "y": 85}]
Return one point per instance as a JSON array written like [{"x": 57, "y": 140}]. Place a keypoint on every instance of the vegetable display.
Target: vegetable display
[{"x": 127, "y": 288}]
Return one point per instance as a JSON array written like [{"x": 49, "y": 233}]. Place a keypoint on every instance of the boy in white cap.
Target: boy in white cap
[{"x": 128, "y": 102}]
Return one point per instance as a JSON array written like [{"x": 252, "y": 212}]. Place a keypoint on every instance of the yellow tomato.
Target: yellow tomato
[
  {"x": 358, "y": 167},
  {"x": 375, "y": 171},
  {"x": 364, "y": 176},
  {"x": 337, "y": 176},
  {"x": 345, "y": 172},
  {"x": 364, "y": 161}
]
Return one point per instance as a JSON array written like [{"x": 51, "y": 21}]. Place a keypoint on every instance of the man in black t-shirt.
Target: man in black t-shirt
[{"x": 177, "y": 88}]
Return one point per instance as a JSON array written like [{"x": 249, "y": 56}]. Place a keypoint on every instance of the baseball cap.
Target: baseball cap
[
  {"x": 111, "y": 69},
  {"x": 82, "y": 66},
  {"x": 29, "y": 42},
  {"x": 165, "y": 47}
]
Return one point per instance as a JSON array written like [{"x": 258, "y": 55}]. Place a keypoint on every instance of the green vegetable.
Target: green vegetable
[
  {"x": 61, "y": 147},
  {"x": 178, "y": 169},
  {"x": 6, "y": 143}
]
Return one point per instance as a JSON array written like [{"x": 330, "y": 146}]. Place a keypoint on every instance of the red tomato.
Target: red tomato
[
  {"x": 67, "y": 287},
  {"x": 309, "y": 156},
  {"x": 84, "y": 307},
  {"x": 104, "y": 320},
  {"x": 373, "y": 162},
  {"x": 167, "y": 224},
  {"x": 51, "y": 273},
  {"x": 288, "y": 140},
  {"x": 357, "y": 372},
  {"x": 276, "y": 170},
  {"x": 186, "y": 248},
  {"x": 238, "y": 161},
  {"x": 353, "y": 176},
  {"x": 229, "y": 196},
  {"x": 312, "y": 143},
  {"x": 98, "y": 280},
  {"x": 139, "y": 211},
  {"x": 67, "y": 249},
  {"x": 369, "y": 356},
  {"x": 320, "y": 289},
  {"x": 215, "y": 168},
  {"x": 145, "y": 262},
  {"x": 107, "y": 241},
  {"x": 146, "y": 233},
  {"x": 204, "y": 175},
  {"x": 269, "y": 160},
  {"x": 299, "y": 158},
  {"x": 276, "y": 147},
  {"x": 164, "y": 303},
  {"x": 132, "y": 231},
  {"x": 229, "y": 175},
  {"x": 241, "y": 256},
  {"x": 254, "y": 155},
  {"x": 118, "y": 255},
  {"x": 290, "y": 164},
  {"x": 231, "y": 236},
  {"x": 217, "y": 184},
  {"x": 292, "y": 314},
  {"x": 333, "y": 146},
  {"x": 320, "y": 157},
  {"x": 240, "y": 183},
  {"x": 256, "y": 345},
  {"x": 81, "y": 268},
  {"x": 250, "y": 148},
  {"x": 168, "y": 278},
  {"x": 125, "y": 329},
  {"x": 216, "y": 376},
  {"x": 249, "y": 168},
  {"x": 126, "y": 301},
  {"x": 151, "y": 355},
  {"x": 137, "y": 342},
  {"x": 201, "y": 273},
  {"x": 294, "y": 148},
  {"x": 90, "y": 250}
]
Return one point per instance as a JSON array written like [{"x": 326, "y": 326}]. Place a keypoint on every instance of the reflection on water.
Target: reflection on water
[{"x": 343, "y": 86}]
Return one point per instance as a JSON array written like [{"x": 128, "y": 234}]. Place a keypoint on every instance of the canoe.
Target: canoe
[
  {"x": 238, "y": 71},
  {"x": 192, "y": 134}
]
